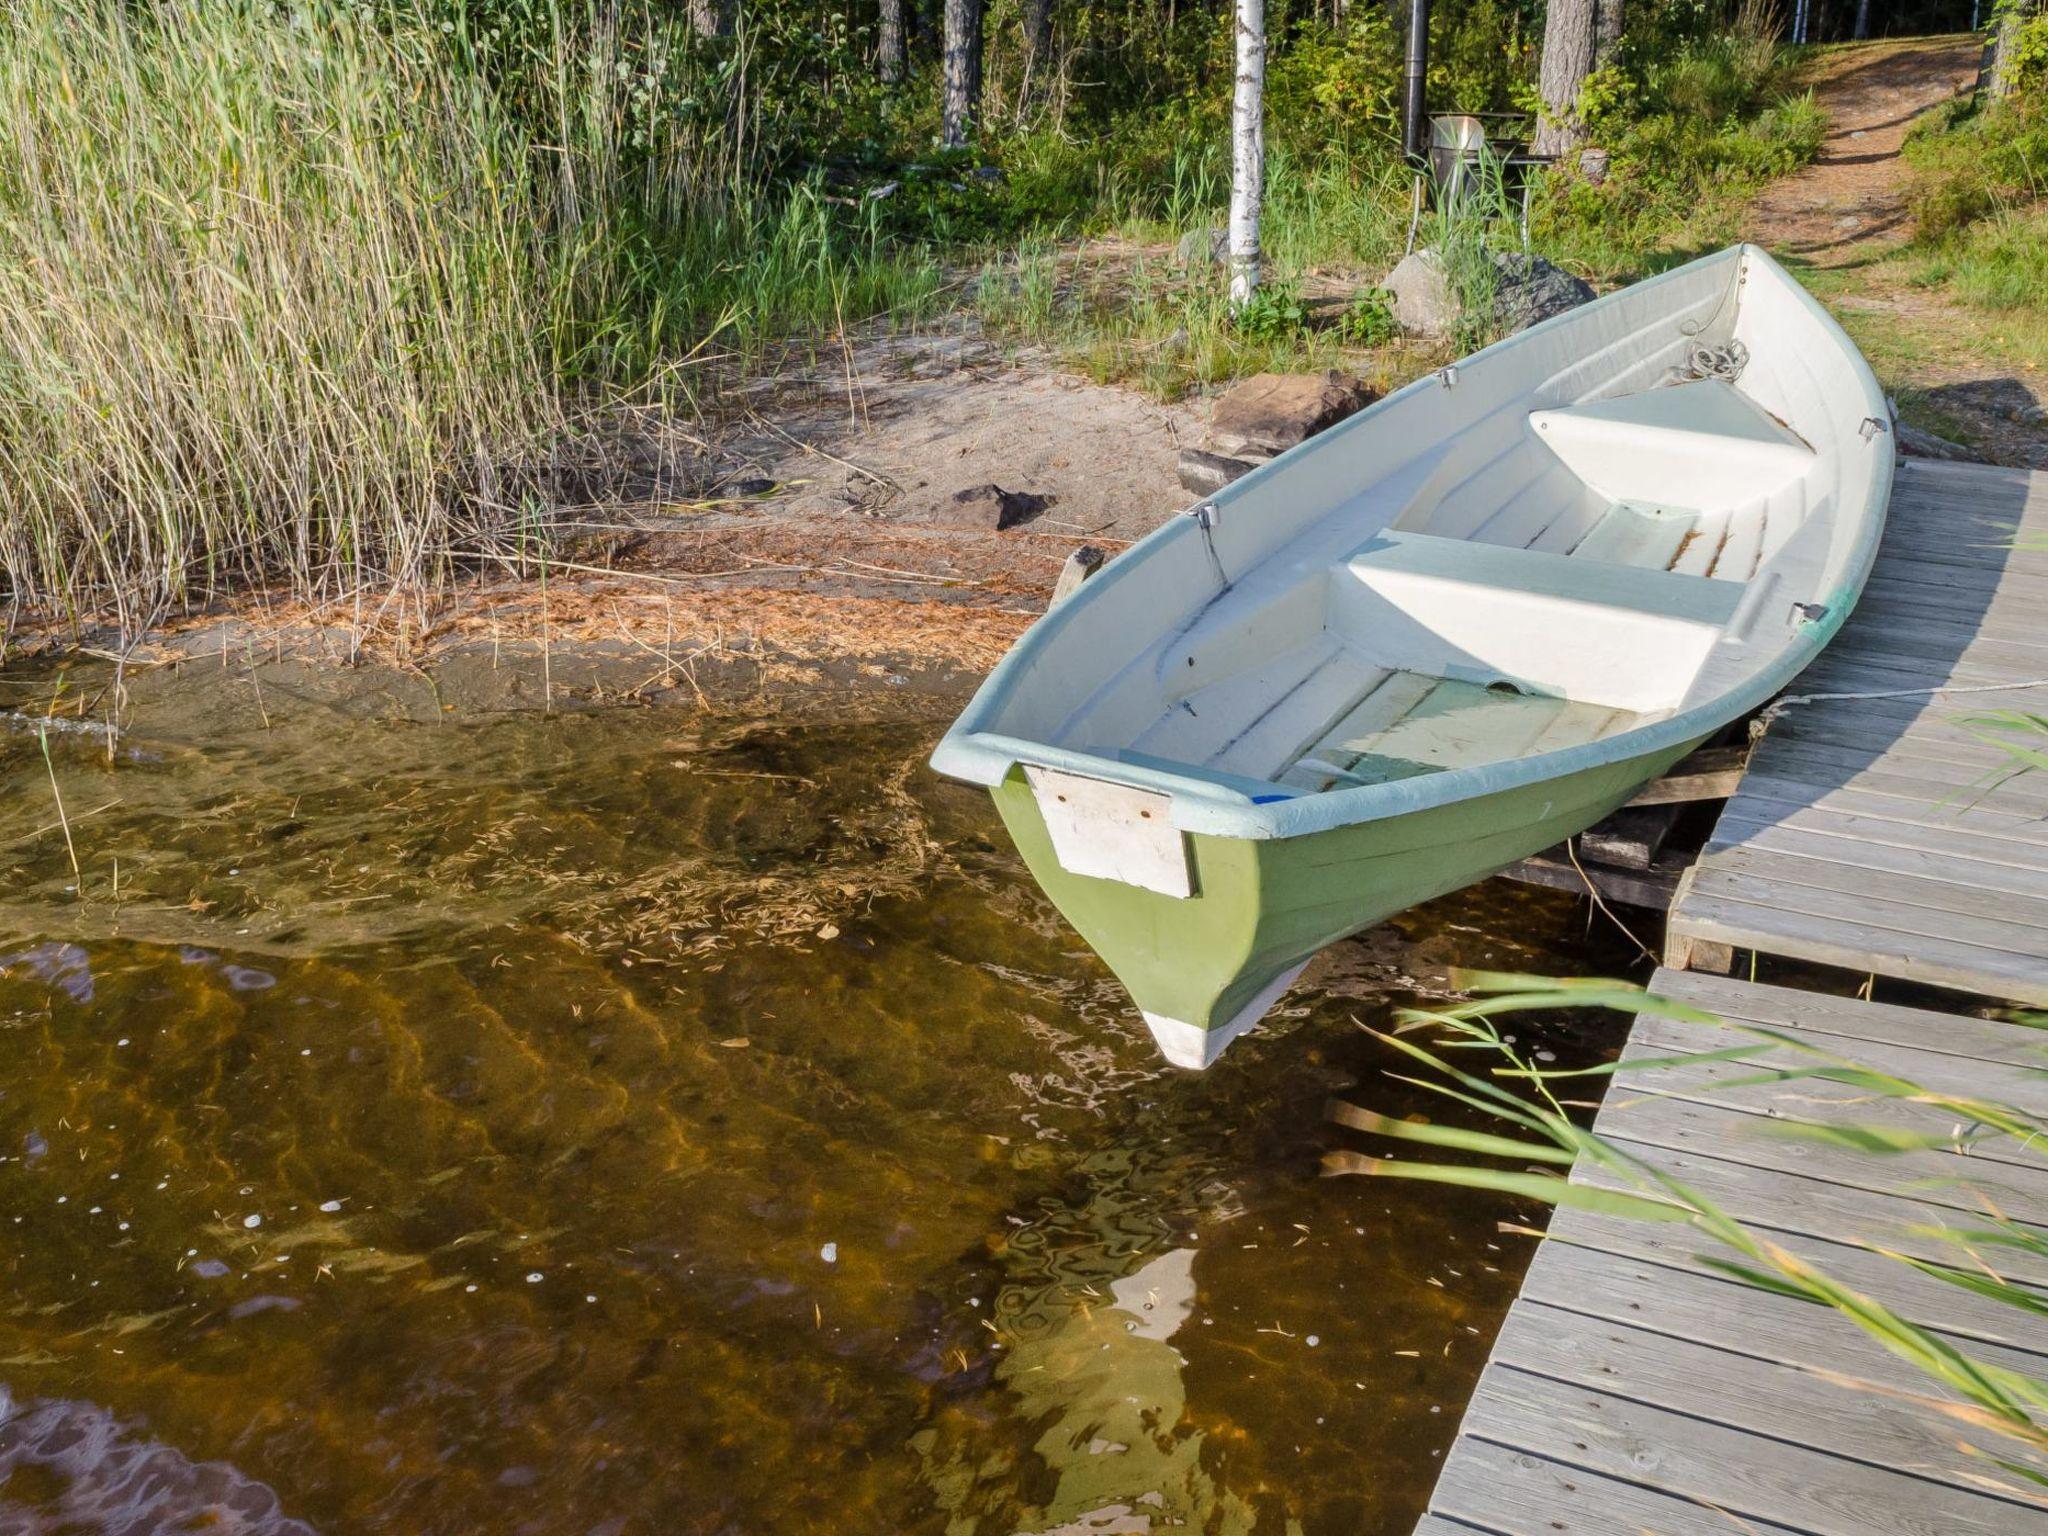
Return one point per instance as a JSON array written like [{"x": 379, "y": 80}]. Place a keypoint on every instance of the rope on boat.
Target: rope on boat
[{"x": 1702, "y": 361}]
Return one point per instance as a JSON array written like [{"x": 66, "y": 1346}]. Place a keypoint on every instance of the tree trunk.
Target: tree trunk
[
  {"x": 1037, "y": 47},
  {"x": 889, "y": 44},
  {"x": 962, "y": 71},
  {"x": 1567, "y": 60},
  {"x": 2012, "y": 15},
  {"x": 711, "y": 18},
  {"x": 1607, "y": 19},
  {"x": 1862, "y": 19},
  {"x": 1247, "y": 151}
]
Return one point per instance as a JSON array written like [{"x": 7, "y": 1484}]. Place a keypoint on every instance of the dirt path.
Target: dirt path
[
  {"x": 1851, "y": 202},
  {"x": 1844, "y": 223}
]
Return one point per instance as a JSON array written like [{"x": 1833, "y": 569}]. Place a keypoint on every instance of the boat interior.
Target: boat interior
[{"x": 1581, "y": 573}]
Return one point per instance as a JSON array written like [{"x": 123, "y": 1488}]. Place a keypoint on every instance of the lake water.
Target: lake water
[{"x": 644, "y": 1120}]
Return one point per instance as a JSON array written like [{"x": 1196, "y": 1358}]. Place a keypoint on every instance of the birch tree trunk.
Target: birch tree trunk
[
  {"x": 962, "y": 63},
  {"x": 1862, "y": 19},
  {"x": 889, "y": 44},
  {"x": 1247, "y": 151},
  {"x": 1567, "y": 60},
  {"x": 1607, "y": 20}
]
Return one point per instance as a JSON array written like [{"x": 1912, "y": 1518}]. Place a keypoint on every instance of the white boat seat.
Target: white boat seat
[
  {"x": 1698, "y": 444},
  {"x": 1627, "y": 637}
]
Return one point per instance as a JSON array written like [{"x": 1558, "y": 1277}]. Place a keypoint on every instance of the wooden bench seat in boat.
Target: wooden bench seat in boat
[
  {"x": 1701, "y": 444},
  {"x": 1622, "y": 636}
]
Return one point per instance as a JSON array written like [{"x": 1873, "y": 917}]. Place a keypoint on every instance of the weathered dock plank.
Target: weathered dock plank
[
  {"x": 1887, "y": 834},
  {"x": 1635, "y": 1389}
]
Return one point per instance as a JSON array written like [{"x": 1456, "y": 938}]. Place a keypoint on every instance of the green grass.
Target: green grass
[{"x": 302, "y": 298}]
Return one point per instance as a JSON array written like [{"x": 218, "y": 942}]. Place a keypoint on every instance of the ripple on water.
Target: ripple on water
[{"x": 475, "y": 1127}]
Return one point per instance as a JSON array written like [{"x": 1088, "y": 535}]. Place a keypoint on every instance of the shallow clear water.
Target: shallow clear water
[{"x": 643, "y": 1121}]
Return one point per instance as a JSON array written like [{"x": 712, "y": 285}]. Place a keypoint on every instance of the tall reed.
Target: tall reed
[
  {"x": 272, "y": 298},
  {"x": 311, "y": 294}
]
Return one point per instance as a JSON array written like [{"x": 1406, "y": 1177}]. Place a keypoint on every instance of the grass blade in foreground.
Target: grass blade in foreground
[{"x": 1613, "y": 1180}]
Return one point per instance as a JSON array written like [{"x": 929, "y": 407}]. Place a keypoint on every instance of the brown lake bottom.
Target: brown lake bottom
[{"x": 649, "y": 1120}]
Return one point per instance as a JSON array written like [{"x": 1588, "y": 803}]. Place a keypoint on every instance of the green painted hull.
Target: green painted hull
[{"x": 1261, "y": 908}]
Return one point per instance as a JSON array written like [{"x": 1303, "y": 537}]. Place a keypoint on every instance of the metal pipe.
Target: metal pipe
[{"x": 1414, "y": 107}]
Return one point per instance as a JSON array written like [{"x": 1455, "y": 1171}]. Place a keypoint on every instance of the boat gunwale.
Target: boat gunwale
[{"x": 1198, "y": 806}]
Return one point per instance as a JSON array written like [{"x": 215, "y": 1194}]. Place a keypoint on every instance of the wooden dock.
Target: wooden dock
[
  {"x": 1884, "y": 834},
  {"x": 1635, "y": 1390}
]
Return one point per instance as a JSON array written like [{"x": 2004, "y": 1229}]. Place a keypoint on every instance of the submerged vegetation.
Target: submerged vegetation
[{"x": 337, "y": 296}]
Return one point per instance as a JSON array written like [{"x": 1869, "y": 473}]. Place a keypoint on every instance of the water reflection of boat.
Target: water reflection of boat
[
  {"x": 1105, "y": 1383},
  {"x": 1461, "y": 626}
]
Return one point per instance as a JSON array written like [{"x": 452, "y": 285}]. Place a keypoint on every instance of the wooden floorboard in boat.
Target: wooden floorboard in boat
[
  {"x": 1880, "y": 834},
  {"x": 1635, "y": 1389}
]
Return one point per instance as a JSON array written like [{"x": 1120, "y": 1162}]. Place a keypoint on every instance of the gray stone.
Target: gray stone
[
  {"x": 1203, "y": 241},
  {"x": 1593, "y": 165},
  {"x": 1528, "y": 289},
  {"x": 1423, "y": 302},
  {"x": 1270, "y": 412},
  {"x": 1081, "y": 564},
  {"x": 1204, "y": 474},
  {"x": 990, "y": 508}
]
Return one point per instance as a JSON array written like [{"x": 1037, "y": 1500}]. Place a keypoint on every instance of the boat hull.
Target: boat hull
[{"x": 1204, "y": 968}]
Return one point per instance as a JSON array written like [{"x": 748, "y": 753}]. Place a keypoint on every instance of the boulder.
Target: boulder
[
  {"x": 1528, "y": 289},
  {"x": 1422, "y": 297},
  {"x": 1205, "y": 243},
  {"x": 1593, "y": 165},
  {"x": 1271, "y": 412},
  {"x": 1204, "y": 474},
  {"x": 990, "y": 508}
]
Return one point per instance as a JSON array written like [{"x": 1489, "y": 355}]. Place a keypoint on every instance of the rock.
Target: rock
[
  {"x": 752, "y": 486},
  {"x": 1922, "y": 444},
  {"x": 1593, "y": 166},
  {"x": 1271, "y": 412},
  {"x": 1204, "y": 474},
  {"x": 886, "y": 189},
  {"x": 1421, "y": 290},
  {"x": 1204, "y": 240},
  {"x": 1081, "y": 564},
  {"x": 1528, "y": 289},
  {"x": 992, "y": 509}
]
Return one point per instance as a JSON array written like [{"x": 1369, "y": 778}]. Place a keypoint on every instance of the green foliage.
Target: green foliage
[
  {"x": 1274, "y": 312},
  {"x": 1980, "y": 219},
  {"x": 2029, "y": 58},
  {"x": 1369, "y": 320},
  {"x": 1674, "y": 183},
  {"x": 1970, "y": 162},
  {"x": 309, "y": 296}
]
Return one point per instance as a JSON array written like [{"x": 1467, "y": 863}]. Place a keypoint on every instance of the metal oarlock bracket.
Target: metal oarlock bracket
[{"x": 1872, "y": 427}]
